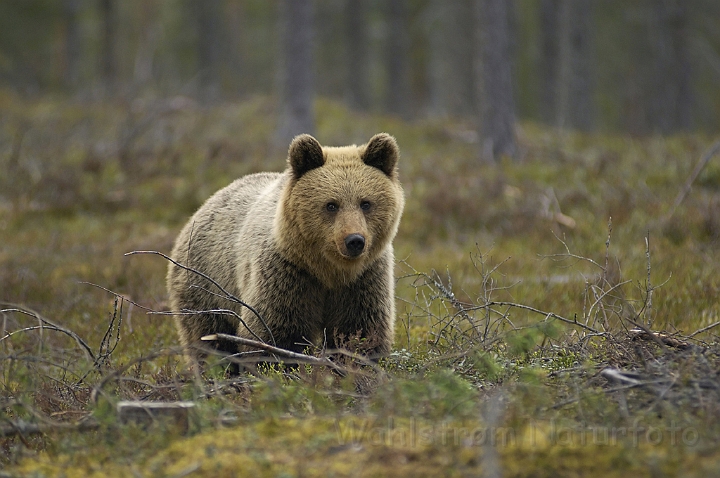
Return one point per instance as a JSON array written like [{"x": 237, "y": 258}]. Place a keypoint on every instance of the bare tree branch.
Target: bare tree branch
[
  {"x": 537, "y": 311},
  {"x": 228, "y": 295},
  {"x": 704, "y": 160},
  {"x": 704, "y": 329},
  {"x": 48, "y": 325},
  {"x": 275, "y": 350}
]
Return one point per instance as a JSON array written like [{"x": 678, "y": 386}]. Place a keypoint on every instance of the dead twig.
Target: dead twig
[
  {"x": 117, "y": 374},
  {"x": 227, "y": 295},
  {"x": 704, "y": 329},
  {"x": 49, "y": 325},
  {"x": 304, "y": 358},
  {"x": 548, "y": 315},
  {"x": 704, "y": 160},
  {"x": 106, "y": 346}
]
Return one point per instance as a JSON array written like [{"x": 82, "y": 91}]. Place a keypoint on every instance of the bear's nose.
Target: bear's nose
[{"x": 355, "y": 244}]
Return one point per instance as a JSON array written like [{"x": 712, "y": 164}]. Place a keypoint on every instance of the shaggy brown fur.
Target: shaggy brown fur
[{"x": 310, "y": 249}]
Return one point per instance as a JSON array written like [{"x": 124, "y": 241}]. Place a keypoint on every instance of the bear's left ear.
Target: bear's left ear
[
  {"x": 382, "y": 152},
  {"x": 305, "y": 154}
]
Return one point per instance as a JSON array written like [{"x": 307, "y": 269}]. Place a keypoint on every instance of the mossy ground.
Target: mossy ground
[{"x": 543, "y": 264}]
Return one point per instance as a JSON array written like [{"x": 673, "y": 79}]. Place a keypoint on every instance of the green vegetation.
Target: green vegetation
[{"x": 519, "y": 285}]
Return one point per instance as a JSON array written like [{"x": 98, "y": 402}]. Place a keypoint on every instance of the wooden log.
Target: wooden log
[
  {"x": 170, "y": 414},
  {"x": 666, "y": 339}
]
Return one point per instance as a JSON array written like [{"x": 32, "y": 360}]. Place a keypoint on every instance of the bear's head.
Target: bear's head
[{"x": 341, "y": 206}]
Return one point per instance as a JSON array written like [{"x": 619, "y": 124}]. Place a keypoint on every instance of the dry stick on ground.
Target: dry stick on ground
[
  {"x": 666, "y": 339},
  {"x": 704, "y": 160},
  {"x": 276, "y": 350},
  {"x": 616, "y": 375},
  {"x": 227, "y": 295},
  {"x": 198, "y": 381},
  {"x": 116, "y": 294},
  {"x": 420, "y": 297},
  {"x": 450, "y": 295},
  {"x": 611, "y": 376},
  {"x": 21, "y": 428}
]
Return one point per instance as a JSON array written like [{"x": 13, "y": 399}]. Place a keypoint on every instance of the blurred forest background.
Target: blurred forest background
[{"x": 641, "y": 67}]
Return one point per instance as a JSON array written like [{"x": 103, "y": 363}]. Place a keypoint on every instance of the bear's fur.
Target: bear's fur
[{"x": 310, "y": 249}]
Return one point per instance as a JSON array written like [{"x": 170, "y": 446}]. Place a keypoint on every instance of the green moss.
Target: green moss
[{"x": 348, "y": 446}]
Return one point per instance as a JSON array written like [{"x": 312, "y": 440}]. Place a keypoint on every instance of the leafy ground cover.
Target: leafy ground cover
[{"x": 555, "y": 314}]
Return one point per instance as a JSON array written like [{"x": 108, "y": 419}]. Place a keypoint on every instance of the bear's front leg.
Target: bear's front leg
[
  {"x": 288, "y": 300},
  {"x": 364, "y": 310}
]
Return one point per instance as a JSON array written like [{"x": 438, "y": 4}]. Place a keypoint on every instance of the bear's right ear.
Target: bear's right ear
[
  {"x": 305, "y": 154},
  {"x": 382, "y": 152}
]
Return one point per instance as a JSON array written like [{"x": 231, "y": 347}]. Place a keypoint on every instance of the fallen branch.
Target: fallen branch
[
  {"x": 666, "y": 339},
  {"x": 275, "y": 350},
  {"x": 146, "y": 413},
  {"x": 22, "y": 428},
  {"x": 615, "y": 375}
]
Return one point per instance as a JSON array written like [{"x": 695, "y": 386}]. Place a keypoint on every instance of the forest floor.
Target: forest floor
[{"x": 556, "y": 313}]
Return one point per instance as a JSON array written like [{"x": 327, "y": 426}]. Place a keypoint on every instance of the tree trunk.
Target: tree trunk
[
  {"x": 671, "y": 96},
  {"x": 108, "y": 60},
  {"x": 235, "y": 59},
  {"x": 71, "y": 70},
  {"x": 358, "y": 55},
  {"x": 398, "y": 59},
  {"x": 576, "y": 107},
  {"x": 145, "y": 55},
  {"x": 439, "y": 27},
  {"x": 497, "y": 107},
  {"x": 463, "y": 57},
  {"x": 549, "y": 52},
  {"x": 297, "y": 71},
  {"x": 450, "y": 69},
  {"x": 207, "y": 14}
]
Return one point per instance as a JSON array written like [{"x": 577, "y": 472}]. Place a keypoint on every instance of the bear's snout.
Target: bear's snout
[{"x": 355, "y": 244}]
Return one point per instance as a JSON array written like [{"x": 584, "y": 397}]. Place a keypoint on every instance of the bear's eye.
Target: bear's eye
[
  {"x": 332, "y": 206},
  {"x": 365, "y": 205}
]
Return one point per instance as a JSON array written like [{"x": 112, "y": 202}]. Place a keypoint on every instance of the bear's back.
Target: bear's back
[{"x": 206, "y": 242}]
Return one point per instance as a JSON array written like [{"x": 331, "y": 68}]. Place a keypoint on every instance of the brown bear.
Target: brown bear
[{"x": 309, "y": 249}]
